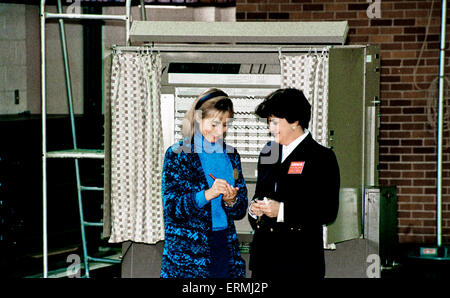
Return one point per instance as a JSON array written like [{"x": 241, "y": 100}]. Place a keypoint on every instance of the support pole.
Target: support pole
[
  {"x": 127, "y": 21},
  {"x": 68, "y": 80},
  {"x": 143, "y": 12},
  {"x": 440, "y": 123},
  {"x": 44, "y": 142}
]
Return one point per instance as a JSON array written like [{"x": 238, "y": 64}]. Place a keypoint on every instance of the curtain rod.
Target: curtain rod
[{"x": 221, "y": 48}]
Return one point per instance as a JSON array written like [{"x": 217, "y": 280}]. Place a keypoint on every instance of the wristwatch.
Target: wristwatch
[{"x": 230, "y": 204}]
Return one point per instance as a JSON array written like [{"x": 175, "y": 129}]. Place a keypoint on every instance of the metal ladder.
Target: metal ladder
[{"x": 75, "y": 153}]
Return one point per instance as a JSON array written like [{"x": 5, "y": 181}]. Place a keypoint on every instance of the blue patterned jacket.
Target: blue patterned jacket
[{"x": 186, "y": 251}]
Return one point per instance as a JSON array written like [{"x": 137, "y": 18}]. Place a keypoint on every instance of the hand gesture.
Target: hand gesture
[
  {"x": 230, "y": 196},
  {"x": 268, "y": 207},
  {"x": 219, "y": 187},
  {"x": 255, "y": 208}
]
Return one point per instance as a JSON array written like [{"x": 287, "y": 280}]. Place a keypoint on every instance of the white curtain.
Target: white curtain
[
  {"x": 309, "y": 73},
  {"x": 133, "y": 208}
]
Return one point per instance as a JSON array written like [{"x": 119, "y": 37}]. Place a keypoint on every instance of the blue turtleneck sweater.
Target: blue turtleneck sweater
[{"x": 214, "y": 161}]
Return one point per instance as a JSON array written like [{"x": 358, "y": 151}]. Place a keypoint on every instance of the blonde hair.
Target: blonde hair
[{"x": 213, "y": 106}]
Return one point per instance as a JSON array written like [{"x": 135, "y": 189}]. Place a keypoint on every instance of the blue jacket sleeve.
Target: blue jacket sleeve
[
  {"x": 178, "y": 192},
  {"x": 200, "y": 199},
  {"x": 239, "y": 209}
]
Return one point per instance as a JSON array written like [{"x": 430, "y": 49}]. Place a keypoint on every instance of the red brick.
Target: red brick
[
  {"x": 404, "y": 206},
  {"x": 335, "y": 7},
  {"x": 400, "y": 150},
  {"x": 393, "y": 14},
  {"x": 380, "y": 38},
  {"x": 422, "y": 199},
  {"x": 323, "y": 15},
  {"x": 403, "y": 214},
  {"x": 410, "y": 158},
  {"x": 247, "y": 8},
  {"x": 413, "y": 174},
  {"x": 403, "y": 6},
  {"x": 424, "y": 182},
  {"x": 400, "y": 166},
  {"x": 404, "y": 22},
  {"x": 257, "y": 15},
  {"x": 300, "y": 15},
  {"x": 410, "y": 222},
  {"x": 314, "y": 7},
  {"x": 416, "y": 13},
  {"x": 418, "y": 214},
  {"x": 412, "y": 190},
  {"x": 273, "y": 7}
]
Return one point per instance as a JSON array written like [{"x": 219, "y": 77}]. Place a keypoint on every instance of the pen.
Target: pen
[{"x": 212, "y": 176}]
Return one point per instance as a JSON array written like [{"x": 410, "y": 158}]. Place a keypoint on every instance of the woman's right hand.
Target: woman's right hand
[{"x": 219, "y": 187}]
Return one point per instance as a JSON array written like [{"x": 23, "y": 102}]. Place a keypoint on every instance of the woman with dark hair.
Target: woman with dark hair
[
  {"x": 203, "y": 193},
  {"x": 297, "y": 192}
]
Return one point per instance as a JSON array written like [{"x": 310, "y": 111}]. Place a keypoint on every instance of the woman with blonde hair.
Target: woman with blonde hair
[{"x": 203, "y": 193}]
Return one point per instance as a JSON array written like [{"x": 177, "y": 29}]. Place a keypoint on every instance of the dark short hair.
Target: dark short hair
[{"x": 290, "y": 104}]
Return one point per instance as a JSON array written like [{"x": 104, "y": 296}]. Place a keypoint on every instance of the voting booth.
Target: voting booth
[{"x": 248, "y": 60}]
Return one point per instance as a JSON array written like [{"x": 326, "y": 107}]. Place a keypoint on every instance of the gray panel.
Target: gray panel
[
  {"x": 345, "y": 112},
  {"x": 348, "y": 223},
  {"x": 240, "y": 32},
  {"x": 346, "y": 124},
  {"x": 141, "y": 260}
]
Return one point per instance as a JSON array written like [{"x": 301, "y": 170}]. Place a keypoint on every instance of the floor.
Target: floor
[{"x": 348, "y": 260}]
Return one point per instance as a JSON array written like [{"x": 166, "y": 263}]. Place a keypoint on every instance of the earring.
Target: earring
[{"x": 294, "y": 127}]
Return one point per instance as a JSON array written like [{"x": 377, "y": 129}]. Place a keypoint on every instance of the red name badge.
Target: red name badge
[{"x": 296, "y": 167}]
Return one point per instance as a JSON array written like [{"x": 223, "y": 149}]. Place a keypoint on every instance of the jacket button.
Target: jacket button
[
  {"x": 271, "y": 229},
  {"x": 257, "y": 226},
  {"x": 292, "y": 229},
  {"x": 299, "y": 229}
]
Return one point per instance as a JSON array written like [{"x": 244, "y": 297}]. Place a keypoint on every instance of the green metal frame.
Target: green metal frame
[{"x": 75, "y": 153}]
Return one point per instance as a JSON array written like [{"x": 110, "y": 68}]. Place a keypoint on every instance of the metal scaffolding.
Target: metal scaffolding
[{"x": 76, "y": 153}]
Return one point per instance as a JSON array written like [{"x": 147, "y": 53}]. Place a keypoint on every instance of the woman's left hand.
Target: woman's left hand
[{"x": 230, "y": 196}]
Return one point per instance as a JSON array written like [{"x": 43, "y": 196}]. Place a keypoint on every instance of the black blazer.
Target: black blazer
[{"x": 308, "y": 183}]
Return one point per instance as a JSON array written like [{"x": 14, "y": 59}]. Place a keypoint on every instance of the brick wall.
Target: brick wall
[{"x": 407, "y": 136}]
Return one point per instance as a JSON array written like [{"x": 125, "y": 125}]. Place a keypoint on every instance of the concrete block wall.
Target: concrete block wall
[
  {"x": 13, "y": 62},
  {"x": 20, "y": 61},
  {"x": 407, "y": 33}
]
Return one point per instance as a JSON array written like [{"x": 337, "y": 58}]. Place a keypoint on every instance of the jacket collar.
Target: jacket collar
[{"x": 304, "y": 143}]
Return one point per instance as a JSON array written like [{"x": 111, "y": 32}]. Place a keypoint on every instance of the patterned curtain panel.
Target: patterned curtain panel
[
  {"x": 309, "y": 73},
  {"x": 133, "y": 150}
]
